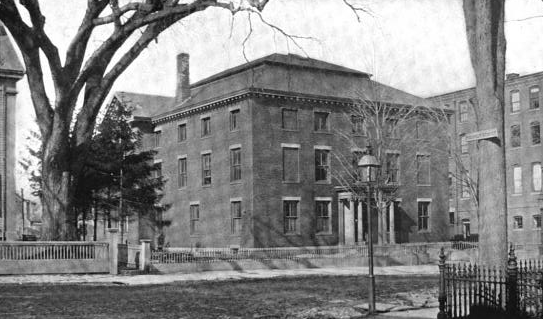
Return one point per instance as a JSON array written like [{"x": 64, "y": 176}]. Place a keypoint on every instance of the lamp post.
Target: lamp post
[{"x": 368, "y": 161}]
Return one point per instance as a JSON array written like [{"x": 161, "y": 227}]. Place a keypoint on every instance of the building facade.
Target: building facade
[
  {"x": 249, "y": 155},
  {"x": 524, "y": 154},
  {"x": 11, "y": 71}
]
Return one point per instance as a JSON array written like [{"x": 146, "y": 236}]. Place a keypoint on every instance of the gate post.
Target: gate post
[
  {"x": 113, "y": 251},
  {"x": 442, "y": 298},
  {"x": 511, "y": 282},
  {"x": 145, "y": 255}
]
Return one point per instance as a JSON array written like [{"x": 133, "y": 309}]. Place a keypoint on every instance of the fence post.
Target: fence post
[
  {"x": 511, "y": 282},
  {"x": 442, "y": 297},
  {"x": 145, "y": 255},
  {"x": 113, "y": 251}
]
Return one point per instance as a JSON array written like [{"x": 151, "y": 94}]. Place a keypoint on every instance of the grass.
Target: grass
[{"x": 288, "y": 297}]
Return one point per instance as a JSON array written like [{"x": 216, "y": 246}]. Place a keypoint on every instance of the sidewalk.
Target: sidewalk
[{"x": 214, "y": 275}]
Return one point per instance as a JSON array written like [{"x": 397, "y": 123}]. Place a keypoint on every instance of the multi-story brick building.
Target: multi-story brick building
[
  {"x": 523, "y": 118},
  {"x": 11, "y": 71},
  {"x": 248, "y": 155}
]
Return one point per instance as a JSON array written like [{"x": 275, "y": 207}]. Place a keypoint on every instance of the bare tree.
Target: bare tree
[
  {"x": 65, "y": 129},
  {"x": 486, "y": 42}
]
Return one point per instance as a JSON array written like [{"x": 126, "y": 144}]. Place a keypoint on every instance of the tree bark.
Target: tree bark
[{"x": 486, "y": 41}]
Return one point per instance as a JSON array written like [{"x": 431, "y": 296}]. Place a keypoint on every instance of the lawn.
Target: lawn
[{"x": 288, "y": 297}]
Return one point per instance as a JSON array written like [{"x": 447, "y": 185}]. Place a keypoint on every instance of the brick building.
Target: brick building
[
  {"x": 248, "y": 155},
  {"x": 11, "y": 71},
  {"x": 523, "y": 118}
]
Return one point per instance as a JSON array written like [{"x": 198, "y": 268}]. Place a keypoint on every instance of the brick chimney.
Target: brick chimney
[
  {"x": 182, "y": 90},
  {"x": 511, "y": 76}
]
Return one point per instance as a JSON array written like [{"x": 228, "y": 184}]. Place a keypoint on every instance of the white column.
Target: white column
[
  {"x": 391, "y": 221},
  {"x": 360, "y": 224}
]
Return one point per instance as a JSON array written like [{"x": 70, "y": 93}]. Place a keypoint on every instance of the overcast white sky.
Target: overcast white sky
[{"x": 415, "y": 45}]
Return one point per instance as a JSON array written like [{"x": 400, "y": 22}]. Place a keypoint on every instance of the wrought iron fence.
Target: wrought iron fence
[{"x": 472, "y": 291}]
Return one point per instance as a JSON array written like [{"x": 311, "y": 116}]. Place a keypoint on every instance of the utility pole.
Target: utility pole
[{"x": 23, "y": 211}]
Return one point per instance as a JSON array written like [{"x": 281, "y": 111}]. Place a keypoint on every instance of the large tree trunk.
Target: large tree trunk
[{"x": 486, "y": 40}]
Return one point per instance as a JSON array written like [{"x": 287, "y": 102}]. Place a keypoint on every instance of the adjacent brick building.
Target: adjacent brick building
[
  {"x": 11, "y": 71},
  {"x": 524, "y": 154},
  {"x": 248, "y": 155}
]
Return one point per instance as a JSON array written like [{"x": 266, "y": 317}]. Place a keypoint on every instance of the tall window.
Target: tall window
[
  {"x": 463, "y": 111},
  {"x": 357, "y": 123},
  {"x": 391, "y": 130},
  {"x": 194, "y": 219},
  {"x": 517, "y": 180},
  {"x": 182, "y": 172},
  {"x": 206, "y": 126},
  {"x": 321, "y": 121},
  {"x": 422, "y": 130},
  {"x": 235, "y": 164},
  {"x": 452, "y": 220},
  {"x": 534, "y": 97},
  {"x": 156, "y": 140},
  {"x": 181, "y": 132},
  {"x": 234, "y": 118},
  {"x": 537, "y": 221},
  {"x": 324, "y": 222},
  {"x": 464, "y": 147},
  {"x": 423, "y": 169},
  {"x": 515, "y": 101},
  {"x": 515, "y": 135},
  {"x": 290, "y": 213},
  {"x": 535, "y": 131},
  {"x": 465, "y": 185},
  {"x": 290, "y": 164},
  {"x": 289, "y": 119},
  {"x": 206, "y": 169},
  {"x": 517, "y": 222},
  {"x": 423, "y": 209},
  {"x": 235, "y": 210},
  {"x": 393, "y": 167},
  {"x": 322, "y": 165},
  {"x": 157, "y": 170},
  {"x": 536, "y": 177}
]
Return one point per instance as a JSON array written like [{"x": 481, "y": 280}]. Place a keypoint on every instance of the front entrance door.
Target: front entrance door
[{"x": 349, "y": 221}]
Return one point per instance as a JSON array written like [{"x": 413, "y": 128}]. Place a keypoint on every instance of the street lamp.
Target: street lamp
[{"x": 369, "y": 161}]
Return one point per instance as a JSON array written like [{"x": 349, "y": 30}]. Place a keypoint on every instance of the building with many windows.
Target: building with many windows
[
  {"x": 249, "y": 156},
  {"x": 524, "y": 154}
]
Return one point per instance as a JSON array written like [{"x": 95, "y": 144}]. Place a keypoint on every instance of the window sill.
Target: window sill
[
  {"x": 290, "y": 130},
  {"x": 291, "y": 234},
  {"x": 206, "y": 186},
  {"x": 324, "y": 234},
  {"x": 516, "y": 148},
  {"x": 204, "y": 137},
  {"x": 533, "y": 109},
  {"x": 516, "y": 195},
  {"x": 323, "y": 132},
  {"x": 424, "y": 231},
  {"x": 181, "y": 142},
  {"x": 359, "y": 135},
  {"x": 518, "y": 229},
  {"x": 182, "y": 188},
  {"x": 535, "y": 193},
  {"x": 514, "y": 112},
  {"x": 535, "y": 145},
  {"x": 291, "y": 182},
  {"x": 323, "y": 182},
  {"x": 236, "y": 182},
  {"x": 465, "y": 198},
  {"x": 424, "y": 185},
  {"x": 235, "y": 130},
  {"x": 196, "y": 235}
]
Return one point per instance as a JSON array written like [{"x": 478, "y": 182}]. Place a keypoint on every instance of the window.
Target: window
[
  {"x": 537, "y": 221},
  {"x": 534, "y": 97},
  {"x": 451, "y": 186},
  {"x": 181, "y": 132},
  {"x": 235, "y": 210},
  {"x": 234, "y": 117},
  {"x": 423, "y": 208},
  {"x": 235, "y": 164},
  {"x": 324, "y": 222},
  {"x": 194, "y": 219},
  {"x": 290, "y": 213},
  {"x": 321, "y": 121},
  {"x": 464, "y": 147},
  {"x": 357, "y": 123},
  {"x": 517, "y": 180},
  {"x": 182, "y": 172},
  {"x": 322, "y": 165},
  {"x": 206, "y": 126},
  {"x": 290, "y": 164},
  {"x": 289, "y": 119},
  {"x": 466, "y": 228},
  {"x": 452, "y": 220},
  {"x": 465, "y": 185},
  {"x": 463, "y": 111},
  {"x": 422, "y": 130},
  {"x": 206, "y": 169},
  {"x": 157, "y": 170},
  {"x": 391, "y": 130},
  {"x": 515, "y": 101},
  {"x": 157, "y": 136},
  {"x": 535, "y": 130},
  {"x": 536, "y": 177},
  {"x": 423, "y": 169},
  {"x": 515, "y": 135},
  {"x": 517, "y": 222},
  {"x": 392, "y": 166}
]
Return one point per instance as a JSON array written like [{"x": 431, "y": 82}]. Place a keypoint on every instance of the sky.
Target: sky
[{"x": 418, "y": 46}]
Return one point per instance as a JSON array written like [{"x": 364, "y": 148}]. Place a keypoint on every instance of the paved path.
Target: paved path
[{"x": 215, "y": 275}]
